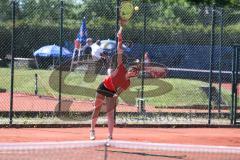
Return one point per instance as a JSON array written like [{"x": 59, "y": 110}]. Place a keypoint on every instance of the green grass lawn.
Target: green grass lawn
[{"x": 158, "y": 92}]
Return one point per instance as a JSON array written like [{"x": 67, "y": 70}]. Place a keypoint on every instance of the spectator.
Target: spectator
[
  {"x": 87, "y": 50},
  {"x": 77, "y": 44},
  {"x": 96, "y": 51},
  {"x": 77, "y": 48},
  {"x": 147, "y": 59},
  {"x": 99, "y": 56}
]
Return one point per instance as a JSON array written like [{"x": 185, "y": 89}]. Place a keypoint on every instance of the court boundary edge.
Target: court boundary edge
[{"x": 118, "y": 126}]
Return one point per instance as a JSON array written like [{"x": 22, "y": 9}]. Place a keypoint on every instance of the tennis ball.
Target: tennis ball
[{"x": 136, "y": 8}]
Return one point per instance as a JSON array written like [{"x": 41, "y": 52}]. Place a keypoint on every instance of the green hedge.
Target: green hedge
[
  {"x": 31, "y": 37},
  {"x": 5, "y": 41}
]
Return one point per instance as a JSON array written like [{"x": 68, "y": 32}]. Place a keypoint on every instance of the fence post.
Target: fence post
[
  {"x": 36, "y": 84},
  {"x": 236, "y": 86},
  {"x": 60, "y": 56},
  {"x": 233, "y": 85},
  {"x": 141, "y": 101},
  {"x": 12, "y": 60},
  {"x": 116, "y": 39},
  {"x": 220, "y": 63},
  {"x": 211, "y": 64},
  {"x": 235, "y": 66}
]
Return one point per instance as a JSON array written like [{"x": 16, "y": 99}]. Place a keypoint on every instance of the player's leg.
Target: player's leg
[
  {"x": 97, "y": 107},
  {"x": 111, "y": 105}
]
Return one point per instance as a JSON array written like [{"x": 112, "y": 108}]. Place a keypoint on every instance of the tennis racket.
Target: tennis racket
[{"x": 126, "y": 10}]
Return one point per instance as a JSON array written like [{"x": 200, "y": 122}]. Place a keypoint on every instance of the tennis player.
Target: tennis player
[{"x": 111, "y": 88}]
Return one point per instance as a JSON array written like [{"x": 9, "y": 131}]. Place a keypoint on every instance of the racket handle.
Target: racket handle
[{"x": 123, "y": 22}]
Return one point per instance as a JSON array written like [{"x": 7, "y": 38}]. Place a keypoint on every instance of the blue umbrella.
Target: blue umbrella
[{"x": 52, "y": 51}]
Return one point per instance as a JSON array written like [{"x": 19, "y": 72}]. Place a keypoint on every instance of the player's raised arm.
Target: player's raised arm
[{"x": 119, "y": 47}]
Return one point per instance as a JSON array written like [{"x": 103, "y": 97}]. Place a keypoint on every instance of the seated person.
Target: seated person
[
  {"x": 147, "y": 59},
  {"x": 100, "y": 56},
  {"x": 87, "y": 49},
  {"x": 96, "y": 50},
  {"x": 77, "y": 48},
  {"x": 77, "y": 44}
]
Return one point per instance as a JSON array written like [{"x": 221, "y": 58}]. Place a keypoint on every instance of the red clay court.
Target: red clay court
[
  {"x": 31, "y": 103},
  {"x": 228, "y": 137},
  {"x": 198, "y": 136},
  {"x": 225, "y": 138}
]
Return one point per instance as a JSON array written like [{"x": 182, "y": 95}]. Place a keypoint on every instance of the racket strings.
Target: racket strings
[{"x": 126, "y": 10}]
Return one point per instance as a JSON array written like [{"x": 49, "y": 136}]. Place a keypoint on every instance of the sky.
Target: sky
[{"x": 79, "y": 1}]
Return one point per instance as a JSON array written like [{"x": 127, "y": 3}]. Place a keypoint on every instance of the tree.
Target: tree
[
  {"x": 39, "y": 10},
  {"x": 92, "y": 9},
  {"x": 221, "y": 3},
  {"x": 5, "y": 10}
]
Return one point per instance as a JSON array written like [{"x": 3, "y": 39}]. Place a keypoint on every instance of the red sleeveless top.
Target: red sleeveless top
[{"x": 117, "y": 80}]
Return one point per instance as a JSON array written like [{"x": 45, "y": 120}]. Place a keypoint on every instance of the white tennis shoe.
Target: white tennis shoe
[
  {"x": 108, "y": 140},
  {"x": 92, "y": 135}
]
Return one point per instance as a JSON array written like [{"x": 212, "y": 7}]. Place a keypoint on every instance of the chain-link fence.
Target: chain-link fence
[{"x": 189, "y": 50}]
